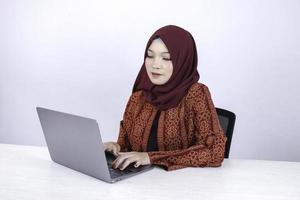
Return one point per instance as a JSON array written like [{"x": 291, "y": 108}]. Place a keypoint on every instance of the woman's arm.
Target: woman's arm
[
  {"x": 122, "y": 139},
  {"x": 210, "y": 141},
  {"x": 126, "y": 123}
]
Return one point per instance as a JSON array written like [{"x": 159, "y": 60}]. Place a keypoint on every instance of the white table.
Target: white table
[{"x": 27, "y": 172}]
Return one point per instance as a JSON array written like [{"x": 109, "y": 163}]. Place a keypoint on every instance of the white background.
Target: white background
[{"x": 82, "y": 57}]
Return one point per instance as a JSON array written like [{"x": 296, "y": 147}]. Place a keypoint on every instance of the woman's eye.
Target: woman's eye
[
  {"x": 167, "y": 59},
  {"x": 149, "y": 56}
]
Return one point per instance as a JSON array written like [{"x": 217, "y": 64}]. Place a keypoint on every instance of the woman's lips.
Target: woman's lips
[{"x": 155, "y": 75}]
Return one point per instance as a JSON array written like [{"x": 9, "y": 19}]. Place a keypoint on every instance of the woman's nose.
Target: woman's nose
[{"x": 156, "y": 64}]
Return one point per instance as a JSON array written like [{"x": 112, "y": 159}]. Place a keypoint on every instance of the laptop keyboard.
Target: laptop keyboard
[{"x": 114, "y": 173}]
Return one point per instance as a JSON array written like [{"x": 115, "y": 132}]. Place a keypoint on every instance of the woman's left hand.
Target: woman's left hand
[{"x": 126, "y": 158}]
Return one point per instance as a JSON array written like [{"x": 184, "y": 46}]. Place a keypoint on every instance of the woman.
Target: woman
[{"x": 170, "y": 119}]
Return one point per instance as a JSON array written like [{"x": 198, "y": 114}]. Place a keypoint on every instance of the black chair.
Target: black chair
[{"x": 227, "y": 121}]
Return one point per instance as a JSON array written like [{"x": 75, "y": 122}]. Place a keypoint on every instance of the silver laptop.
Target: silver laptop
[{"x": 75, "y": 142}]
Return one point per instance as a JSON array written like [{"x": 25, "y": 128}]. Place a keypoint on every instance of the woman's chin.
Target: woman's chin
[{"x": 157, "y": 82}]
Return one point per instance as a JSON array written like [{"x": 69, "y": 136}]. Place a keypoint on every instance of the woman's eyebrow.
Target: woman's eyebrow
[{"x": 161, "y": 52}]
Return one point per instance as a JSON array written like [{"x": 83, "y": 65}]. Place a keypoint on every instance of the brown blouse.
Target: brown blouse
[{"x": 188, "y": 135}]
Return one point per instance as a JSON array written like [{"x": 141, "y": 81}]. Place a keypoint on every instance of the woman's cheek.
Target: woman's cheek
[{"x": 147, "y": 62}]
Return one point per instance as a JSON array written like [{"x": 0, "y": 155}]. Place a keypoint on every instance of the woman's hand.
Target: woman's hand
[
  {"x": 126, "y": 158},
  {"x": 112, "y": 147}
]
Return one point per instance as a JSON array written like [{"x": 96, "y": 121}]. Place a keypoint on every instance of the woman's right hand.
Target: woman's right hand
[{"x": 112, "y": 147}]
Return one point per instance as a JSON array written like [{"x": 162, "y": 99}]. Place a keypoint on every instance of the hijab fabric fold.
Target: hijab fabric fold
[{"x": 182, "y": 48}]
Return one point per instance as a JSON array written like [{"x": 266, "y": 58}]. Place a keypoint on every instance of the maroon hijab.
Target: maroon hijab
[{"x": 183, "y": 52}]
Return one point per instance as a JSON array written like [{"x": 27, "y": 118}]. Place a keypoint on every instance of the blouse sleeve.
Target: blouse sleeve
[
  {"x": 125, "y": 125},
  {"x": 210, "y": 141}
]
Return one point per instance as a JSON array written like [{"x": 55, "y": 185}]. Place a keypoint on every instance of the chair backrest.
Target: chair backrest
[{"x": 227, "y": 121}]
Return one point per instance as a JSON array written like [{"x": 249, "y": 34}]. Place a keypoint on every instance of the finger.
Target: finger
[
  {"x": 118, "y": 148},
  {"x": 119, "y": 160},
  {"x": 108, "y": 150},
  {"x": 115, "y": 151},
  {"x": 127, "y": 153},
  {"x": 137, "y": 164},
  {"x": 115, "y": 163},
  {"x": 105, "y": 145},
  {"x": 126, "y": 162}
]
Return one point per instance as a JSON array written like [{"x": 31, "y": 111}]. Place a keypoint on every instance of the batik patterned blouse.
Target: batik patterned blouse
[{"x": 188, "y": 135}]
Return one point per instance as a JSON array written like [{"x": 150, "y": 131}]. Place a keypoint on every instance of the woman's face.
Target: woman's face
[{"x": 158, "y": 62}]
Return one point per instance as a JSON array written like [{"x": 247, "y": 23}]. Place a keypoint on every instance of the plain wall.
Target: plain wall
[{"x": 82, "y": 57}]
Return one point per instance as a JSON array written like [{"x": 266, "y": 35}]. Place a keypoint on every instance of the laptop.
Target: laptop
[{"x": 75, "y": 142}]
